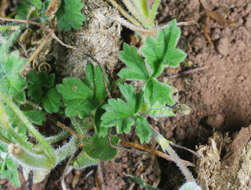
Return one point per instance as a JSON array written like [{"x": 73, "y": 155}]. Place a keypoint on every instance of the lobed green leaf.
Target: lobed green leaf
[
  {"x": 162, "y": 51},
  {"x": 120, "y": 113},
  {"x": 158, "y": 93},
  {"x": 136, "y": 69},
  {"x": 69, "y": 15},
  {"x": 143, "y": 130},
  {"x": 99, "y": 148}
]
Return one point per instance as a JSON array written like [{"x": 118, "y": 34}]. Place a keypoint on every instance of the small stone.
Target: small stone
[
  {"x": 215, "y": 121},
  {"x": 198, "y": 43},
  {"x": 223, "y": 46}
]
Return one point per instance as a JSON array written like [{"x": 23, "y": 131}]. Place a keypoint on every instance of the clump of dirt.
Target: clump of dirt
[
  {"x": 99, "y": 37},
  {"x": 225, "y": 163}
]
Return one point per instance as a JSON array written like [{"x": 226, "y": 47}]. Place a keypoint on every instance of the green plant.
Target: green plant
[
  {"x": 142, "y": 14},
  {"x": 67, "y": 12},
  {"x": 27, "y": 102}
]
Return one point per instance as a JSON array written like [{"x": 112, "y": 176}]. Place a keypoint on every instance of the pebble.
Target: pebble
[
  {"x": 215, "y": 121},
  {"x": 223, "y": 46}
]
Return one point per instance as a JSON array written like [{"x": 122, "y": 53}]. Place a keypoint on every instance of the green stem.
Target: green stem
[
  {"x": 57, "y": 138},
  {"x": 165, "y": 145},
  {"x": 154, "y": 9},
  {"x": 47, "y": 148},
  {"x": 28, "y": 159},
  {"x": 53, "y": 139},
  {"x": 77, "y": 126},
  {"x": 67, "y": 150}
]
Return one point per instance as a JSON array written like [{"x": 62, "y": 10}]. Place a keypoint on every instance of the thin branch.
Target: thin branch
[
  {"x": 62, "y": 126},
  {"x": 146, "y": 31},
  {"x": 61, "y": 42},
  {"x": 40, "y": 47},
  {"x": 187, "y": 149},
  {"x": 23, "y": 21},
  {"x": 99, "y": 178},
  {"x": 155, "y": 152},
  {"x": 190, "y": 71}
]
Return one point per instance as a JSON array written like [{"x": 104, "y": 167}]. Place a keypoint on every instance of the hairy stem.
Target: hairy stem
[
  {"x": 165, "y": 145},
  {"x": 47, "y": 148},
  {"x": 28, "y": 159},
  {"x": 66, "y": 150},
  {"x": 54, "y": 139}
]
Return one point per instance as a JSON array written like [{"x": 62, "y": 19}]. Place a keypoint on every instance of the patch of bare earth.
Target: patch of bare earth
[{"x": 220, "y": 94}]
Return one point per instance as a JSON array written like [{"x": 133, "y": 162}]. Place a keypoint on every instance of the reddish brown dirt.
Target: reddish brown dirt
[{"x": 219, "y": 95}]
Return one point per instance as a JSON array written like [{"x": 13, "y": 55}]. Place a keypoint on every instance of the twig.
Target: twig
[
  {"x": 23, "y": 21},
  {"x": 99, "y": 178},
  {"x": 190, "y": 71},
  {"x": 146, "y": 31},
  {"x": 187, "y": 149},
  {"x": 152, "y": 151},
  {"x": 66, "y": 171},
  {"x": 40, "y": 47},
  {"x": 62, "y": 126},
  {"x": 61, "y": 42}
]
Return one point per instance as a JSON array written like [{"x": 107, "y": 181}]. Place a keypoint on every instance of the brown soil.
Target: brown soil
[{"x": 219, "y": 97}]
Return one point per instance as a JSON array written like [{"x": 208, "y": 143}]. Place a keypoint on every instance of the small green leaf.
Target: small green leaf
[
  {"x": 120, "y": 113},
  {"x": 99, "y": 148},
  {"x": 39, "y": 84},
  {"x": 52, "y": 101},
  {"x": 158, "y": 93},
  {"x": 36, "y": 116},
  {"x": 162, "y": 51},
  {"x": 136, "y": 69},
  {"x": 173, "y": 57},
  {"x": 24, "y": 6},
  {"x": 10, "y": 79},
  {"x": 143, "y": 130},
  {"x": 69, "y": 15},
  {"x": 9, "y": 169},
  {"x": 83, "y": 160},
  {"x": 100, "y": 91},
  {"x": 75, "y": 94},
  {"x": 74, "y": 89},
  {"x": 159, "y": 111},
  {"x": 101, "y": 131},
  {"x": 95, "y": 80},
  {"x": 142, "y": 183}
]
